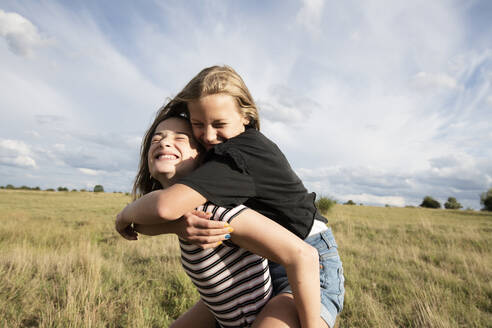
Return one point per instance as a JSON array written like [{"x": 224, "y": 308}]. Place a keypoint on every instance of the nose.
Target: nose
[
  {"x": 166, "y": 141},
  {"x": 209, "y": 135}
]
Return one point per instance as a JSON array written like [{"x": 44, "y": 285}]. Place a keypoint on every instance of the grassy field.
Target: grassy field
[{"x": 63, "y": 265}]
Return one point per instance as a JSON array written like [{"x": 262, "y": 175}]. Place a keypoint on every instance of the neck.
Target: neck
[{"x": 166, "y": 183}]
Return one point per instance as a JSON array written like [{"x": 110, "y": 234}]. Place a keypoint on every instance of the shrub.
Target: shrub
[
  {"x": 9, "y": 186},
  {"x": 324, "y": 204},
  {"x": 98, "y": 188},
  {"x": 50, "y": 189},
  {"x": 486, "y": 200},
  {"x": 36, "y": 188},
  {"x": 349, "y": 202},
  {"x": 430, "y": 202},
  {"x": 74, "y": 190},
  {"x": 452, "y": 204},
  {"x": 62, "y": 189}
]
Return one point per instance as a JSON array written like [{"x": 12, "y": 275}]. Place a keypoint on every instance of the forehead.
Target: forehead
[
  {"x": 214, "y": 105},
  {"x": 173, "y": 124}
]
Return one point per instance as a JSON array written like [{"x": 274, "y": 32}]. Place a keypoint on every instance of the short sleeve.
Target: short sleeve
[
  {"x": 222, "y": 179},
  {"x": 221, "y": 213}
]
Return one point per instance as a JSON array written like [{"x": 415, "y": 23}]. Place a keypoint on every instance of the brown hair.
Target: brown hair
[
  {"x": 144, "y": 182},
  {"x": 218, "y": 80}
]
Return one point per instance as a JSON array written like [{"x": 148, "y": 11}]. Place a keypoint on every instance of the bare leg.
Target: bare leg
[
  {"x": 280, "y": 312},
  {"x": 198, "y": 316}
]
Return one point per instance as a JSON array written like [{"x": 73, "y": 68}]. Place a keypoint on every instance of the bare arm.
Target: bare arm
[
  {"x": 157, "y": 207},
  {"x": 195, "y": 227},
  {"x": 166, "y": 204},
  {"x": 264, "y": 237},
  {"x": 171, "y": 210}
]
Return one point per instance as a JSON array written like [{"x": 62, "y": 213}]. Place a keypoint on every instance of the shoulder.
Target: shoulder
[{"x": 250, "y": 140}]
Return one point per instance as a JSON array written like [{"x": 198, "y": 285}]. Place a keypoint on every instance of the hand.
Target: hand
[
  {"x": 125, "y": 229},
  {"x": 197, "y": 228}
]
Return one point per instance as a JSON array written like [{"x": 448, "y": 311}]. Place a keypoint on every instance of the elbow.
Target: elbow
[
  {"x": 165, "y": 213},
  {"x": 311, "y": 255},
  {"x": 304, "y": 255}
]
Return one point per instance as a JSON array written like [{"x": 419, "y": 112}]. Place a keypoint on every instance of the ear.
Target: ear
[{"x": 246, "y": 121}]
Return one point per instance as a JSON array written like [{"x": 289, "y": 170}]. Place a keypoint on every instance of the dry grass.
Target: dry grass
[
  {"x": 409, "y": 267},
  {"x": 62, "y": 265}
]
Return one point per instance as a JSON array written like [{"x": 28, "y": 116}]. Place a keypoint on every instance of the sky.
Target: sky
[{"x": 380, "y": 102}]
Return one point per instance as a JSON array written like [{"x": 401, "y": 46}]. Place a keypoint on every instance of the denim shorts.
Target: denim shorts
[{"x": 330, "y": 273}]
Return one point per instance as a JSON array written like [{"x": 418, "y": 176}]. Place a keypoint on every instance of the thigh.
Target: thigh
[
  {"x": 279, "y": 312},
  {"x": 198, "y": 316}
]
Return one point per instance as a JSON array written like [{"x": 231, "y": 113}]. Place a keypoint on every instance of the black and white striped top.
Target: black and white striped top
[{"x": 233, "y": 282}]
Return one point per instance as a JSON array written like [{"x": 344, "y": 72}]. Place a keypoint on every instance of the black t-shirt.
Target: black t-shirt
[{"x": 250, "y": 169}]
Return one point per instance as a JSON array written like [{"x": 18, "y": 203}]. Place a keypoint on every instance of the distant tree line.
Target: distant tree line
[
  {"x": 97, "y": 188},
  {"x": 453, "y": 204}
]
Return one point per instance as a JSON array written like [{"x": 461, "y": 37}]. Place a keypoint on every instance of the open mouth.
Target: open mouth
[{"x": 166, "y": 157}]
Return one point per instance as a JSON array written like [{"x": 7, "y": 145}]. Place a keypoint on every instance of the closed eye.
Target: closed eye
[{"x": 156, "y": 139}]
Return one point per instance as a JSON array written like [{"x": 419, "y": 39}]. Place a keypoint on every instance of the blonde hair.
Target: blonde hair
[
  {"x": 211, "y": 80},
  {"x": 144, "y": 182},
  {"x": 218, "y": 80}
]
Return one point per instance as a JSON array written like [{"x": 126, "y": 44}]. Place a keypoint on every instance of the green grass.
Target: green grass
[{"x": 63, "y": 265}]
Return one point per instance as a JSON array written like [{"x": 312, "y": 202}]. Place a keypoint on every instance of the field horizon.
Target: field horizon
[{"x": 63, "y": 265}]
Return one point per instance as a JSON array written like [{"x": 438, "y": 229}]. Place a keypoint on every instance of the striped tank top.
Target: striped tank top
[{"x": 234, "y": 283}]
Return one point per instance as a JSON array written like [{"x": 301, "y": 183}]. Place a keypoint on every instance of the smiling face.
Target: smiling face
[
  {"x": 173, "y": 152},
  {"x": 216, "y": 118}
]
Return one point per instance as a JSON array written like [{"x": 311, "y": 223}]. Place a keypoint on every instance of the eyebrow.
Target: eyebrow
[
  {"x": 214, "y": 121},
  {"x": 177, "y": 132}
]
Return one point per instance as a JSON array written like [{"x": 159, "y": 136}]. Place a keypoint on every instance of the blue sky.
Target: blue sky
[{"x": 375, "y": 101}]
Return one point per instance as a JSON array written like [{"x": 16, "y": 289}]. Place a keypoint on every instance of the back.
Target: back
[{"x": 250, "y": 169}]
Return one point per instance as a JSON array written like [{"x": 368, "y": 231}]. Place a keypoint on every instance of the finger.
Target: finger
[
  {"x": 200, "y": 240},
  {"x": 199, "y": 232},
  {"x": 211, "y": 245},
  {"x": 210, "y": 224},
  {"x": 129, "y": 233},
  {"x": 202, "y": 214},
  {"x": 127, "y": 236}
]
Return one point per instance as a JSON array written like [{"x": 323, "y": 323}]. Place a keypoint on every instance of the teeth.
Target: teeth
[{"x": 167, "y": 157}]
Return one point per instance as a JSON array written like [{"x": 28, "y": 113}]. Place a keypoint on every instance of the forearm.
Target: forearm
[
  {"x": 303, "y": 275},
  {"x": 145, "y": 210},
  {"x": 167, "y": 204},
  {"x": 158, "y": 229}
]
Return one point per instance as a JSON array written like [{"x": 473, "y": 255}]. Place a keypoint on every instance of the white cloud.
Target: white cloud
[
  {"x": 90, "y": 171},
  {"x": 283, "y": 104},
  {"x": 310, "y": 14},
  {"x": 373, "y": 199},
  {"x": 434, "y": 80},
  {"x": 489, "y": 100},
  {"x": 21, "y": 35},
  {"x": 16, "y": 153}
]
